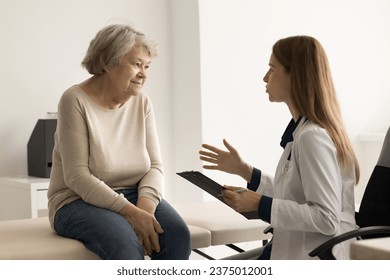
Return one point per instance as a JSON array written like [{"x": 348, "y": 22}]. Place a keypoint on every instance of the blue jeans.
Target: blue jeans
[{"x": 111, "y": 237}]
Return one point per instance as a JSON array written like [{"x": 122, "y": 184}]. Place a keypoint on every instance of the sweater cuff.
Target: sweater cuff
[
  {"x": 255, "y": 180},
  {"x": 264, "y": 208}
]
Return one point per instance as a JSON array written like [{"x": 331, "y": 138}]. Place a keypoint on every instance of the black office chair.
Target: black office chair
[{"x": 373, "y": 217}]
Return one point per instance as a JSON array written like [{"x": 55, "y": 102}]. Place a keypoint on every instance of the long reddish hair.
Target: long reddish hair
[{"x": 313, "y": 92}]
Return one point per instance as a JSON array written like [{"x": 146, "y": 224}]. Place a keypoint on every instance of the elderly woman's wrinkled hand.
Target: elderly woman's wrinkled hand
[{"x": 145, "y": 226}]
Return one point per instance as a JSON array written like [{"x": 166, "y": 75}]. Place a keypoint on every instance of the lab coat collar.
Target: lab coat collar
[{"x": 288, "y": 133}]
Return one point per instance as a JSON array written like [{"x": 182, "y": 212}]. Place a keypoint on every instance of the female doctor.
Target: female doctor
[{"x": 310, "y": 199}]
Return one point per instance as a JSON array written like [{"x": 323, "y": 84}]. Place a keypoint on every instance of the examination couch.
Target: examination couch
[{"x": 210, "y": 224}]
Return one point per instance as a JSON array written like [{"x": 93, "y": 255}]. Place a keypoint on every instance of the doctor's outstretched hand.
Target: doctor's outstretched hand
[{"x": 228, "y": 161}]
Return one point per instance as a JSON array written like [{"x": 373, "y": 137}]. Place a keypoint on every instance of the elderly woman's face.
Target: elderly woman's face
[{"x": 129, "y": 75}]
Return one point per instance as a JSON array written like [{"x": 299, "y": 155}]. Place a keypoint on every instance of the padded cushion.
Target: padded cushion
[
  {"x": 200, "y": 237},
  {"x": 232, "y": 228},
  {"x": 33, "y": 239},
  {"x": 30, "y": 239}
]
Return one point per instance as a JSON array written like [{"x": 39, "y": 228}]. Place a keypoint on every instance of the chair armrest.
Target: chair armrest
[
  {"x": 268, "y": 229},
  {"x": 324, "y": 251}
]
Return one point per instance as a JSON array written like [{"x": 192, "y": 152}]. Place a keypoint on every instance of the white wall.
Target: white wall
[
  {"x": 42, "y": 45},
  {"x": 206, "y": 84},
  {"x": 186, "y": 81},
  {"x": 236, "y": 40}
]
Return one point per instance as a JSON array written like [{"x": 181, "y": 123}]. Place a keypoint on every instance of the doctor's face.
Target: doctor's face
[{"x": 278, "y": 82}]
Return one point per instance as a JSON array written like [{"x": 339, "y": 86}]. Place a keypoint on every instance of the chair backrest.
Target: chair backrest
[
  {"x": 375, "y": 205},
  {"x": 384, "y": 156}
]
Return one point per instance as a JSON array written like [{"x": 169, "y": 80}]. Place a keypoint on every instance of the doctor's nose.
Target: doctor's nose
[{"x": 265, "y": 78}]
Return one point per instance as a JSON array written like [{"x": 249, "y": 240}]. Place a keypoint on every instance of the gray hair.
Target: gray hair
[{"x": 111, "y": 44}]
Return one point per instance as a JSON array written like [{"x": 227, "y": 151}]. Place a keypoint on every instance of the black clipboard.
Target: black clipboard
[{"x": 211, "y": 187}]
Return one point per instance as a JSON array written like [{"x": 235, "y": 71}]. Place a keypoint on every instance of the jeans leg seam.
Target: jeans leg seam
[{"x": 80, "y": 233}]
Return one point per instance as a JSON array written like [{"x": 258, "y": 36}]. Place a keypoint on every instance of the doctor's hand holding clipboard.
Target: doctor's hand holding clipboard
[{"x": 240, "y": 199}]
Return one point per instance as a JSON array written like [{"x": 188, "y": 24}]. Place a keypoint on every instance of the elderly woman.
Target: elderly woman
[{"x": 107, "y": 173}]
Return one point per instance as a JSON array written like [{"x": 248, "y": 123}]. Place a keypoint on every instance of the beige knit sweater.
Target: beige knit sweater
[{"x": 98, "y": 150}]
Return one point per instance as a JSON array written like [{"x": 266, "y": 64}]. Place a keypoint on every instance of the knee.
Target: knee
[
  {"x": 177, "y": 242},
  {"x": 119, "y": 245},
  {"x": 122, "y": 249},
  {"x": 127, "y": 250},
  {"x": 183, "y": 236}
]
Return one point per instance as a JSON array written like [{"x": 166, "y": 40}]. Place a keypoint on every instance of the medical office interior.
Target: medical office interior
[{"x": 206, "y": 83}]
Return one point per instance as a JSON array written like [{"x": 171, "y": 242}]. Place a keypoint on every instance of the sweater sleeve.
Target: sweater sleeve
[{"x": 151, "y": 184}]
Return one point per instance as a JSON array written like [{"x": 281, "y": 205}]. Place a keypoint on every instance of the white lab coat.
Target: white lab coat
[{"x": 313, "y": 199}]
